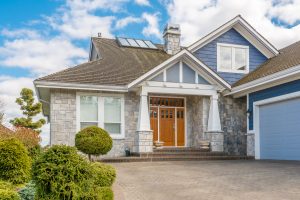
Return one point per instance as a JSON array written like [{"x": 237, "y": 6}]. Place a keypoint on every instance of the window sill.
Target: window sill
[{"x": 233, "y": 71}]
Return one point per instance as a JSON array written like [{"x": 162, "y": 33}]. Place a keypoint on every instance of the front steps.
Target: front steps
[{"x": 176, "y": 154}]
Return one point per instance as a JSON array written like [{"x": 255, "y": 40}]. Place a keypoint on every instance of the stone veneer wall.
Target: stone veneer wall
[
  {"x": 63, "y": 120},
  {"x": 250, "y": 144},
  {"x": 197, "y": 118},
  {"x": 234, "y": 124}
]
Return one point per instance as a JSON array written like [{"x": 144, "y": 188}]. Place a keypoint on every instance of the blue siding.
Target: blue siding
[
  {"x": 208, "y": 54},
  {"x": 283, "y": 89}
]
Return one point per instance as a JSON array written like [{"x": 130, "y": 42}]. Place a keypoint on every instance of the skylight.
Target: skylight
[{"x": 129, "y": 42}]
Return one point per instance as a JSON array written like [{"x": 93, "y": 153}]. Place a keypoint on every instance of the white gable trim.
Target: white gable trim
[
  {"x": 158, "y": 69},
  {"x": 245, "y": 29}
]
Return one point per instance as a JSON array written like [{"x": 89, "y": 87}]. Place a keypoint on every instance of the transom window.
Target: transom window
[
  {"x": 103, "y": 111},
  {"x": 232, "y": 58}
]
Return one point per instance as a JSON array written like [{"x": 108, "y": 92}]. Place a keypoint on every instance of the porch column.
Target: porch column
[
  {"x": 214, "y": 132},
  {"x": 143, "y": 141}
]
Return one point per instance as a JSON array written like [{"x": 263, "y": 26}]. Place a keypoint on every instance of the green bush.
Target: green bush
[
  {"x": 93, "y": 141},
  {"x": 105, "y": 193},
  {"x": 35, "y": 152},
  {"x": 28, "y": 192},
  {"x": 14, "y": 161},
  {"x": 60, "y": 173},
  {"x": 104, "y": 175},
  {"x": 7, "y": 194}
]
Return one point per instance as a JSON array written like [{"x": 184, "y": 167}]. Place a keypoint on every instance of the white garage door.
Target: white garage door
[{"x": 279, "y": 134}]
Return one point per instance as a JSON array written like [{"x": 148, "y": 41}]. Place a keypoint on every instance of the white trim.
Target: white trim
[
  {"x": 240, "y": 24},
  {"x": 267, "y": 81},
  {"x": 173, "y": 60},
  {"x": 101, "y": 97},
  {"x": 233, "y": 48},
  {"x": 256, "y": 106},
  {"x": 75, "y": 86}
]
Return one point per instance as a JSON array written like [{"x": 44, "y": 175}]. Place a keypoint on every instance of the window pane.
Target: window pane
[
  {"x": 87, "y": 124},
  {"x": 240, "y": 59},
  {"x": 88, "y": 108},
  {"x": 113, "y": 128},
  {"x": 225, "y": 58},
  {"x": 112, "y": 109}
]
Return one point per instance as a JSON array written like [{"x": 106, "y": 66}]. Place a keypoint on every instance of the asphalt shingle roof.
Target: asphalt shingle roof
[
  {"x": 117, "y": 65},
  {"x": 288, "y": 57}
]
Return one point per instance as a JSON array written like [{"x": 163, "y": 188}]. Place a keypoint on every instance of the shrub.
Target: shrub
[
  {"x": 93, "y": 141},
  {"x": 28, "y": 137},
  {"x": 28, "y": 192},
  {"x": 60, "y": 173},
  {"x": 105, "y": 193},
  {"x": 6, "y": 194},
  {"x": 14, "y": 161},
  {"x": 104, "y": 175}
]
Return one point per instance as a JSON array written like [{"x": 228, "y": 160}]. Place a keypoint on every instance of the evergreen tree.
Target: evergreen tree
[{"x": 30, "y": 109}]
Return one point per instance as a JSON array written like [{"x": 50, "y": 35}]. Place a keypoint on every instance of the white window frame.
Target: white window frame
[
  {"x": 232, "y": 46},
  {"x": 101, "y": 97}
]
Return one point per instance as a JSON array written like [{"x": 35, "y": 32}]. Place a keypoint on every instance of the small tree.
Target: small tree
[
  {"x": 93, "y": 141},
  {"x": 30, "y": 109},
  {"x": 1, "y": 111}
]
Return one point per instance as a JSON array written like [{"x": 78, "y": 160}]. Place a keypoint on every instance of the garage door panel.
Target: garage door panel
[{"x": 279, "y": 125}]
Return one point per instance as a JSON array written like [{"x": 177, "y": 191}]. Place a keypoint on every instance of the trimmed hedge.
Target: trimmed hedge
[
  {"x": 104, "y": 175},
  {"x": 60, "y": 173},
  {"x": 6, "y": 194},
  {"x": 105, "y": 193},
  {"x": 8, "y": 191},
  {"x": 14, "y": 161},
  {"x": 93, "y": 141}
]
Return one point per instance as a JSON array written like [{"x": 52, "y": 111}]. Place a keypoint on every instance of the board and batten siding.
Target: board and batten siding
[
  {"x": 290, "y": 87},
  {"x": 208, "y": 54}
]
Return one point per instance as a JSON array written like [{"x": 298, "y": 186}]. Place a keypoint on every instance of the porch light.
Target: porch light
[{"x": 249, "y": 112}]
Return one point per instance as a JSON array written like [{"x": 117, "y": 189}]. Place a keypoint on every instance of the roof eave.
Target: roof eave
[{"x": 271, "y": 80}]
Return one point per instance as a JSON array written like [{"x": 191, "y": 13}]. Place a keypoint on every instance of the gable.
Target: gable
[
  {"x": 180, "y": 72},
  {"x": 208, "y": 54}
]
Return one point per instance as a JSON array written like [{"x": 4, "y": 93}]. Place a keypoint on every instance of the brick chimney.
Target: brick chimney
[{"x": 172, "y": 38}]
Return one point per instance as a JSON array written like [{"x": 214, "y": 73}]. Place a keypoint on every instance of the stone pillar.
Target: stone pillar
[
  {"x": 143, "y": 140},
  {"x": 250, "y": 144},
  {"x": 214, "y": 134}
]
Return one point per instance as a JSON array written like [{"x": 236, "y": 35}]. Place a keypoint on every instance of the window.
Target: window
[
  {"x": 105, "y": 111},
  {"x": 232, "y": 58}
]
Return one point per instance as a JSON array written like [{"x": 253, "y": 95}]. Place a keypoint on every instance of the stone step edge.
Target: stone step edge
[
  {"x": 156, "y": 154},
  {"x": 190, "y": 158}
]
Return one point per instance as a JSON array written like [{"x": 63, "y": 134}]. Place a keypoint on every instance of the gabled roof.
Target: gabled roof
[
  {"x": 117, "y": 65},
  {"x": 245, "y": 29},
  {"x": 287, "y": 58}
]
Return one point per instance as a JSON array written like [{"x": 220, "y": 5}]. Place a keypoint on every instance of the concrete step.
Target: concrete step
[
  {"x": 168, "y": 158},
  {"x": 181, "y": 149},
  {"x": 179, "y": 154}
]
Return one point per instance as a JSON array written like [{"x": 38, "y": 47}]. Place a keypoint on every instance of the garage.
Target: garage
[{"x": 278, "y": 137}]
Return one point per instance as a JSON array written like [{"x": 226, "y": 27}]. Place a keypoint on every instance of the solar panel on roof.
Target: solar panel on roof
[
  {"x": 150, "y": 44},
  {"x": 129, "y": 42},
  {"x": 123, "y": 42},
  {"x": 132, "y": 42},
  {"x": 142, "y": 43}
]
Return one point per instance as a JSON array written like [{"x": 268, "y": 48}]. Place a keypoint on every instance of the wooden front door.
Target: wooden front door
[
  {"x": 167, "y": 126},
  {"x": 167, "y": 120}
]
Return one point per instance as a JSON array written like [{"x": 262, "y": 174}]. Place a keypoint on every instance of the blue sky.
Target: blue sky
[{"x": 38, "y": 37}]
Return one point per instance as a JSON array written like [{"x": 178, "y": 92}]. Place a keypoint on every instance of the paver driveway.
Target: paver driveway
[{"x": 199, "y": 180}]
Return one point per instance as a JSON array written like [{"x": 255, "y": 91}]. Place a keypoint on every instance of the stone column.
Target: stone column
[
  {"x": 214, "y": 134},
  {"x": 143, "y": 140}
]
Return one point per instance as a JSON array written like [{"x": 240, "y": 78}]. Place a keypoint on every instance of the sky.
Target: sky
[{"x": 38, "y": 37}]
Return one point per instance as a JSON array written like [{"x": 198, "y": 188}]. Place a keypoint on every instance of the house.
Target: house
[{"x": 232, "y": 88}]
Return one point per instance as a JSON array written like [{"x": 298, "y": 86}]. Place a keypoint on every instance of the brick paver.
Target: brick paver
[{"x": 221, "y": 180}]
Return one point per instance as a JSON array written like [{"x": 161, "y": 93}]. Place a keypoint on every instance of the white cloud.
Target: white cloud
[
  {"x": 20, "y": 33},
  {"x": 127, "y": 20},
  {"x": 287, "y": 11},
  {"x": 41, "y": 56},
  {"x": 152, "y": 27},
  {"x": 198, "y": 18},
  {"x": 142, "y": 2}
]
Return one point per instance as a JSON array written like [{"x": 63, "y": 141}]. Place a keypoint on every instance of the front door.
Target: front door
[
  {"x": 167, "y": 119},
  {"x": 167, "y": 126}
]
